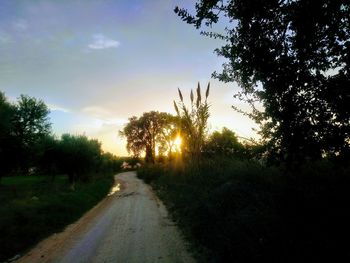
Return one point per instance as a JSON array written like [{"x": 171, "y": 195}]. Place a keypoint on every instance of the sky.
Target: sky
[{"x": 96, "y": 63}]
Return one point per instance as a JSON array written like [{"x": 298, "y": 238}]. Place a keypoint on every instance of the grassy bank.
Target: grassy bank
[
  {"x": 237, "y": 211},
  {"x": 33, "y": 207}
]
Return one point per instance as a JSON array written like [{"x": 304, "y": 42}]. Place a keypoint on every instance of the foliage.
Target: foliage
[
  {"x": 31, "y": 120},
  {"x": 224, "y": 143},
  {"x": 6, "y": 126},
  {"x": 151, "y": 130},
  {"x": 26, "y": 142},
  {"x": 293, "y": 56},
  {"x": 168, "y": 135},
  {"x": 194, "y": 121},
  {"x": 256, "y": 213},
  {"x": 6, "y": 114},
  {"x": 23, "y": 124},
  {"x": 110, "y": 163},
  {"x": 48, "y": 155},
  {"x": 34, "y": 207},
  {"x": 78, "y": 156}
]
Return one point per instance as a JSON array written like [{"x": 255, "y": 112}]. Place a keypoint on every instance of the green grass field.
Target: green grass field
[{"x": 33, "y": 207}]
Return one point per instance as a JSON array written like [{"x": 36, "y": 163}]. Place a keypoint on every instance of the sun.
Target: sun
[{"x": 178, "y": 142}]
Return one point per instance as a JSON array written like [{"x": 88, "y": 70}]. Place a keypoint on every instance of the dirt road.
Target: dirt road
[{"x": 130, "y": 225}]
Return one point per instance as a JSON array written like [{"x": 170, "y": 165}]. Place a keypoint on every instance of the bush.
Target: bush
[
  {"x": 240, "y": 211},
  {"x": 150, "y": 172}
]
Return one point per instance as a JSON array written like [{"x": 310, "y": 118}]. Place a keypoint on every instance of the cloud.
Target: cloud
[
  {"x": 103, "y": 115},
  {"x": 20, "y": 25},
  {"x": 54, "y": 107},
  {"x": 100, "y": 41},
  {"x": 96, "y": 111}
]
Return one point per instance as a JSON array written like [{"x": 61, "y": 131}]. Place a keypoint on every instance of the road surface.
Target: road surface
[{"x": 129, "y": 225}]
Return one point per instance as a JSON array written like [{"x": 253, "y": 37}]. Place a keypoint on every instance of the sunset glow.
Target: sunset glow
[
  {"x": 97, "y": 63},
  {"x": 177, "y": 143}
]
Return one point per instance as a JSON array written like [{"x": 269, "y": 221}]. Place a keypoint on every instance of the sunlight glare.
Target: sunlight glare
[{"x": 177, "y": 143}]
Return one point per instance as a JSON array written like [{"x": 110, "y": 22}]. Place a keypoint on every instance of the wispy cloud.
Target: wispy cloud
[
  {"x": 103, "y": 114},
  {"x": 96, "y": 111},
  {"x": 100, "y": 41},
  {"x": 54, "y": 107},
  {"x": 20, "y": 25}
]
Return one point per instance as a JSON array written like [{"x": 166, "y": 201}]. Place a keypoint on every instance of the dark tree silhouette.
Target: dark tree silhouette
[
  {"x": 224, "y": 143},
  {"x": 6, "y": 115},
  {"x": 294, "y": 57},
  {"x": 31, "y": 121},
  {"x": 30, "y": 125},
  {"x": 79, "y": 156},
  {"x": 145, "y": 133}
]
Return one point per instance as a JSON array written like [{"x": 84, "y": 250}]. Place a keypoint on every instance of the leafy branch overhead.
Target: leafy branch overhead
[{"x": 294, "y": 58}]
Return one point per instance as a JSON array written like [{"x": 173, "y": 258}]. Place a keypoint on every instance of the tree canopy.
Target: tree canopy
[
  {"x": 27, "y": 145},
  {"x": 79, "y": 155},
  {"x": 224, "y": 143},
  {"x": 294, "y": 57},
  {"x": 31, "y": 121},
  {"x": 6, "y": 127},
  {"x": 150, "y": 131}
]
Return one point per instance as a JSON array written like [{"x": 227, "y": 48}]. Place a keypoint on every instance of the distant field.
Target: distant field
[{"x": 33, "y": 207}]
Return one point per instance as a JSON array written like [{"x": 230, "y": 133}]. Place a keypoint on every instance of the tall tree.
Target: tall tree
[
  {"x": 294, "y": 57},
  {"x": 169, "y": 133},
  {"x": 224, "y": 143},
  {"x": 79, "y": 156},
  {"x": 145, "y": 133},
  {"x": 30, "y": 125},
  {"x": 31, "y": 120},
  {"x": 6, "y": 115}
]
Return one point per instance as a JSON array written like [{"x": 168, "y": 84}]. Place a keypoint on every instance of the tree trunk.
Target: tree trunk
[{"x": 149, "y": 155}]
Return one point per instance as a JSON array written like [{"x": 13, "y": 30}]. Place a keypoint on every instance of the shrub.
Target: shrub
[{"x": 241, "y": 211}]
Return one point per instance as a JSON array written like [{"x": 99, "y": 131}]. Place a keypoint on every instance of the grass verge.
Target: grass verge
[
  {"x": 240, "y": 211},
  {"x": 33, "y": 207}
]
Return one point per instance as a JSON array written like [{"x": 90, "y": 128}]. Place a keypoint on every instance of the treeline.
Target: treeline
[
  {"x": 162, "y": 136},
  {"x": 28, "y": 146}
]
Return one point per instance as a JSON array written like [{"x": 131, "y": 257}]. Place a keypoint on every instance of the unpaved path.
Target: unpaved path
[{"x": 131, "y": 225}]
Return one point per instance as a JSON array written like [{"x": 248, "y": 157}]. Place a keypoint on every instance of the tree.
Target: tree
[
  {"x": 169, "y": 133},
  {"x": 224, "y": 143},
  {"x": 31, "y": 121},
  {"x": 30, "y": 125},
  {"x": 294, "y": 57},
  {"x": 110, "y": 163},
  {"x": 6, "y": 115},
  {"x": 48, "y": 155},
  {"x": 146, "y": 133},
  {"x": 79, "y": 156},
  {"x": 194, "y": 121}
]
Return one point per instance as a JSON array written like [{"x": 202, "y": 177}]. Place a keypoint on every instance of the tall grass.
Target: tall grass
[
  {"x": 239, "y": 211},
  {"x": 194, "y": 122}
]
